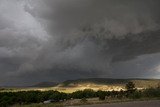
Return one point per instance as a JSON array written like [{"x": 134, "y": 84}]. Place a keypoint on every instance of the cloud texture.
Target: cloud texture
[{"x": 56, "y": 40}]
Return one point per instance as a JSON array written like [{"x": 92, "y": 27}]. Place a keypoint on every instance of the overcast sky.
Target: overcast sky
[{"x": 57, "y": 40}]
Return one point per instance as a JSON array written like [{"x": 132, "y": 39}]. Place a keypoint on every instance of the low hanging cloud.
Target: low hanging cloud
[{"x": 54, "y": 40}]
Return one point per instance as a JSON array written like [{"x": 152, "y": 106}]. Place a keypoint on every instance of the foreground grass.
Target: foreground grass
[
  {"x": 41, "y": 105},
  {"x": 90, "y": 101}
]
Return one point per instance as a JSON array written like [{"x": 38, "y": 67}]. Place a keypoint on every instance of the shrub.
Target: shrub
[{"x": 83, "y": 100}]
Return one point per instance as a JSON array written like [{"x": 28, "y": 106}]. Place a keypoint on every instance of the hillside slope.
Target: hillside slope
[{"x": 140, "y": 83}]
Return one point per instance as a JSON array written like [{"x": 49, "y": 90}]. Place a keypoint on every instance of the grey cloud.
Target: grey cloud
[
  {"x": 68, "y": 14},
  {"x": 54, "y": 40}
]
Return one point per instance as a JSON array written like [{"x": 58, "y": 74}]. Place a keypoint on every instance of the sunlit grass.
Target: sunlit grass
[{"x": 140, "y": 84}]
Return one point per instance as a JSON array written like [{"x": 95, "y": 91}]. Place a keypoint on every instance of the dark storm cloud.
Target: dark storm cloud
[
  {"x": 54, "y": 40},
  {"x": 70, "y": 14}
]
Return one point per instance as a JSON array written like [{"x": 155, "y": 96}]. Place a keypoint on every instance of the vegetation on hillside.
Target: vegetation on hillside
[
  {"x": 28, "y": 97},
  {"x": 140, "y": 83}
]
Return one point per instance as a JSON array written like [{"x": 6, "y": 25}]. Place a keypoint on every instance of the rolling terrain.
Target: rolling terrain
[{"x": 106, "y": 84}]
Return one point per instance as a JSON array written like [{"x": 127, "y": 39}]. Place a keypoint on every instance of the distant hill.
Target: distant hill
[
  {"x": 141, "y": 83},
  {"x": 45, "y": 84},
  {"x": 106, "y": 84}
]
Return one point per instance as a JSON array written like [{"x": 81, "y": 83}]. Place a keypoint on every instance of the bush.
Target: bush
[
  {"x": 152, "y": 92},
  {"x": 87, "y": 93},
  {"x": 136, "y": 95},
  {"x": 83, "y": 100},
  {"x": 101, "y": 95}
]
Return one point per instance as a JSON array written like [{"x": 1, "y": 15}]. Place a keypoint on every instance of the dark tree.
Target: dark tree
[{"x": 130, "y": 87}]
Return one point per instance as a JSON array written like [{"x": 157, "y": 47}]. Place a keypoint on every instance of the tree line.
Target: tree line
[{"x": 28, "y": 97}]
